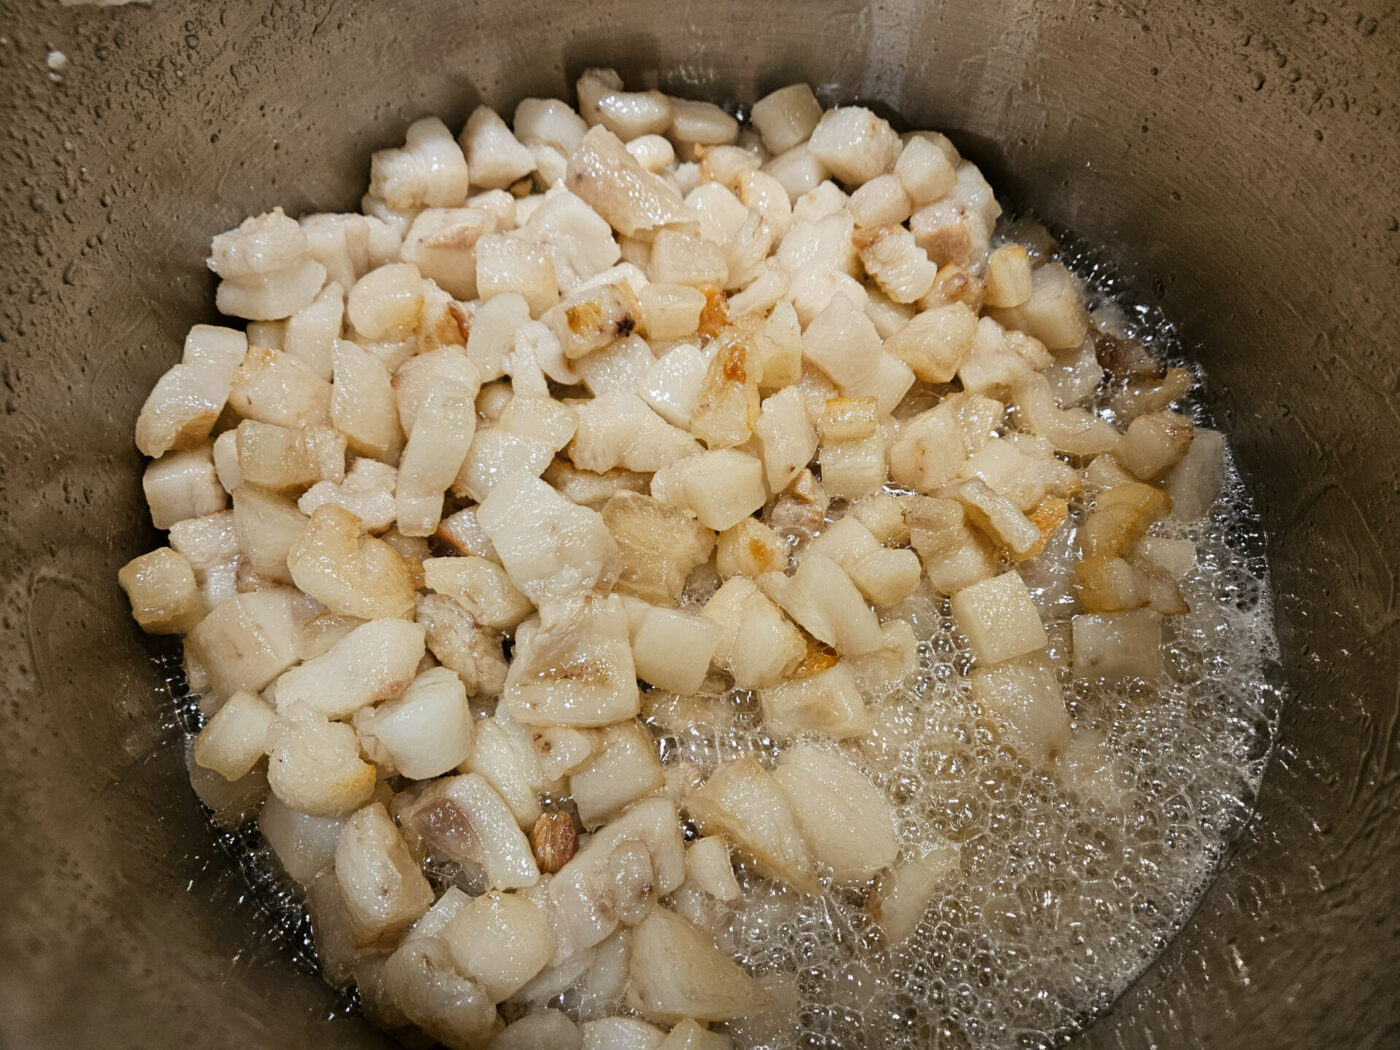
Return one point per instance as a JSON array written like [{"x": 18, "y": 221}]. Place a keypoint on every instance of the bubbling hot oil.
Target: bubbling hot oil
[
  {"x": 1070, "y": 882},
  {"x": 1069, "y": 885}
]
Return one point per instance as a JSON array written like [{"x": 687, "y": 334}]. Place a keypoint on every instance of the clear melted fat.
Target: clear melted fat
[{"x": 1066, "y": 891}]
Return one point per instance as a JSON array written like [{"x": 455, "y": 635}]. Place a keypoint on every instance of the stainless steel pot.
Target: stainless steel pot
[{"x": 1241, "y": 159}]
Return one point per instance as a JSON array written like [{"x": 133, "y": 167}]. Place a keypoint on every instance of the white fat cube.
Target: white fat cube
[
  {"x": 670, "y": 311},
  {"x": 822, "y": 598},
  {"x": 845, "y": 541},
  {"x": 769, "y": 283},
  {"x": 495, "y": 157},
  {"x": 785, "y": 118},
  {"x": 267, "y": 271},
  {"x": 578, "y": 671},
  {"x": 750, "y": 549},
  {"x": 652, "y": 152},
  {"x": 379, "y": 880},
  {"x": 726, "y": 165},
  {"x": 708, "y": 866},
  {"x": 854, "y": 144},
  {"x": 464, "y": 818},
  {"x": 385, "y": 303},
  {"x": 163, "y": 591},
  {"x": 1154, "y": 443},
  {"x": 953, "y": 555},
  {"x": 549, "y": 121},
  {"x": 429, "y": 170},
  {"x": 883, "y": 515},
  {"x": 225, "y": 456},
  {"x": 233, "y": 741},
  {"x": 719, "y": 211},
  {"x": 843, "y": 342},
  {"x": 797, "y": 171},
  {"x": 206, "y": 542},
  {"x": 692, "y": 261},
  {"x": 562, "y": 749},
  {"x": 629, "y": 197},
  {"x": 880, "y": 202},
  {"x": 692, "y": 1035},
  {"x": 828, "y": 702},
  {"x": 363, "y": 406},
  {"x": 997, "y": 517},
  {"x": 185, "y": 403},
  {"x": 591, "y": 318},
  {"x": 936, "y": 342},
  {"x": 1174, "y": 557},
  {"x": 267, "y": 525},
  {"x": 231, "y": 803},
  {"x": 422, "y": 982},
  {"x": 1195, "y": 483},
  {"x": 931, "y": 448},
  {"x": 424, "y": 733},
  {"x": 619, "y": 368},
  {"x": 275, "y": 387},
  {"x": 999, "y": 618},
  {"x": 504, "y": 753},
  {"x": 759, "y": 645},
  {"x": 904, "y": 892},
  {"x": 624, "y": 767},
  {"x": 728, "y": 403},
  {"x": 852, "y": 466},
  {"x": 925, "y": 171},
  {"x": 442, "y": 244},
  {"x": 1054, "y": 313},
  {"x": 1118, "y": 645},
  {"x": 885, "y": 314},
  {"x": 701, "y": 123},
  {"x": 672, "y": 383},
  {"x": 621, "y": 1033},
  {"x": 887, "y": 576},
  {"x": 895, "y": 262},
  {"x": 546, "y": 1029},
  {"x": 481, "y": 587},
  {"x": 283, "y": 459},
  {"x": 562, "y": 550},
  {"x": 618, "y": 429},
  {"x": 671, "y": 649},
  {"x": 742, "y": 802},
  {"x": 508, "y": 263},
  {"x": 376, "y": 661},
  {"x": 304, "y": 846},
  {"x": 500, "y": 940},
  {"x": 1025, "y": 696},
  {"x": 846, "y": 820},
  {"x": 314, "y": 767},
  {"x": 442, "y": 434},
  {"x": 351, "y": 573},
  {"x": 660, "y": 545},
  {"x": 1008, "y": 280},
  {"x": 529, "y": 431},
  {"x": 677, "y": 972},
  {"x": 182, "y": 485},
  {"x": 721, "y": 487},
  {"x": 247, "y": 641},
  {"x": 765, "y": 195},
  {"x": 628, "y": 114},
  {"x": 786, "y": 436}
]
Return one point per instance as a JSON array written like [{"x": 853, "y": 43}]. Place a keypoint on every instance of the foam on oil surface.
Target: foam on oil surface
[{"x": 1068, "y": 888}]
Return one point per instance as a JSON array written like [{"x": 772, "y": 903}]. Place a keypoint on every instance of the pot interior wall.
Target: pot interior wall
[{"x": 1240, "y": 164}]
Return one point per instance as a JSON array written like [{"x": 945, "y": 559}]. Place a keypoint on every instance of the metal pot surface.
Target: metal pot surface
[{"x": 1240, "y": 159}]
